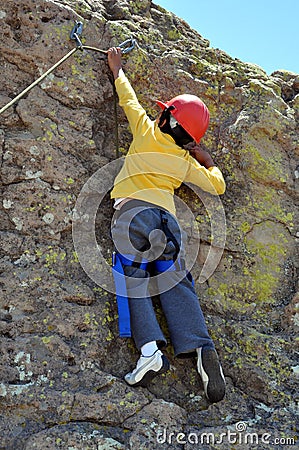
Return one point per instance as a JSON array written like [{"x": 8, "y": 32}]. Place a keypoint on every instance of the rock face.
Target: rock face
[{"x": 62, "y": 362}]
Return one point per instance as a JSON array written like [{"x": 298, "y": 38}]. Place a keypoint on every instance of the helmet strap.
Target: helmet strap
[
  {"x": 165, "y": 117},
  {"x": 169, "y": 125}
]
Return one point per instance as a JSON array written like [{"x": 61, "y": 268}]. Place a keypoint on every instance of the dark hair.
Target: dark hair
[{"x": 169, "y": 125}]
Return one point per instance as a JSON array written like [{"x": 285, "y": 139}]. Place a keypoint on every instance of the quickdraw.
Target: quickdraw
[{"x": 125, "y": 46}]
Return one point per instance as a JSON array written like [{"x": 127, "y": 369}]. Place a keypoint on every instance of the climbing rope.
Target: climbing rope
[
  {"x": 24, "y": 92},
  {"x": 125, "y": 46}
]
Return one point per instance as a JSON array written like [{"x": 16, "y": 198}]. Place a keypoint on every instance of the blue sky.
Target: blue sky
[{"x": 263, "y": 32}]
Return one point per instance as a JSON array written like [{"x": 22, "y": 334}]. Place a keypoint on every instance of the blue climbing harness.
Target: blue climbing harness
[{"x": 118, "y": 263}]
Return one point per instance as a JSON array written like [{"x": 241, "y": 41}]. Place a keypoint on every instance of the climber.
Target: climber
[{"x": 157, "y": 163}]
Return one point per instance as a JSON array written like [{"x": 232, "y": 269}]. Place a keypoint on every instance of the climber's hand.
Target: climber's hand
[
  {"x": 202, "y": 156},
  {"x": 114, "y": 61}
]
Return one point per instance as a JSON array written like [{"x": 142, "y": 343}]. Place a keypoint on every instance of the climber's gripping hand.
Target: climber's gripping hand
[
  {"x": 202, "y": 156},
  {"x": 114, "y": 61}
]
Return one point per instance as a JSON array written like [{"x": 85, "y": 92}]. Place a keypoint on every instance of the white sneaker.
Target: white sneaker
[
  {"x": 211, "y": 373},
  {"x": 147, "y": 368}
]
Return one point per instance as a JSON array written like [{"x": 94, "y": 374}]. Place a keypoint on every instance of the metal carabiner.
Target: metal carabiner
[
  {"x": 76, "y": 32},
  {"x": 127, "y": 45}
]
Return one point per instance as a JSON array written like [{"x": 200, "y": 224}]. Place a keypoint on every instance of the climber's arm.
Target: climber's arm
[{"x": 136, "y": 115}]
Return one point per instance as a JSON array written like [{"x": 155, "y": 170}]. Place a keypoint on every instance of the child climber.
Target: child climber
[{"x": 155, "y": 165}]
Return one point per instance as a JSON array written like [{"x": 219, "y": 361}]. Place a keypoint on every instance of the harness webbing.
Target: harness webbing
[
  {"x": 122, "y": 298},
  {"x": 118, "y": 263}
]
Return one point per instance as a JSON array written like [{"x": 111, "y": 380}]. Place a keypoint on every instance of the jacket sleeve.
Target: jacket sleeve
[
  {"x": 210, "y": 180},
  {"x": 136, "y": 115}
]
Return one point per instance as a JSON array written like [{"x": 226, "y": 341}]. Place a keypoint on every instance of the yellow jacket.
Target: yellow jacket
[{"x": 154, "y": 165}]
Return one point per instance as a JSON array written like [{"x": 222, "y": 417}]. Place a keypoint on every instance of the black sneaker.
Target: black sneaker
[
  {"x": 210, "y": 370},
  {"x": 147, "y": 368}
]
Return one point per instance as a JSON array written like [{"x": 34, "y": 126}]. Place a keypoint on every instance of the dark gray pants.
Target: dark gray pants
[{"x": 133, "y": 227}]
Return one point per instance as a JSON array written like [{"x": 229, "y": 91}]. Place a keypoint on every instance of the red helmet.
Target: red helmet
[{"x": 191, "y": 113}]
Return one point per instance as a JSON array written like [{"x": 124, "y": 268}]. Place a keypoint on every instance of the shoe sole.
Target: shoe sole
[
  {"x": 152, "y": 374},
  {"x": 216, "y": 384}
]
